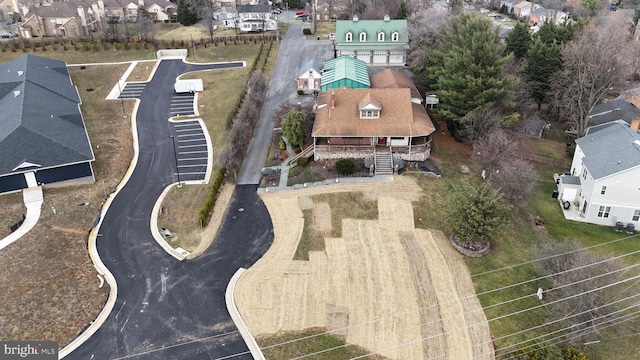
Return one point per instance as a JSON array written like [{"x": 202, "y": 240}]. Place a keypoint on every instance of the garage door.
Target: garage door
[
  {"x": 365, "y": 56},
  {"x": 380, "y": 57},
  {"x": 345, "y": 53},
  {"x": 396, "y": 58}
]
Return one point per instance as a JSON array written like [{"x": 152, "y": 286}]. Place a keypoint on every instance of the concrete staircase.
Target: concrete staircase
[
  {"x": 384, "y": 163},
  {"x": 32, "y": 194}
]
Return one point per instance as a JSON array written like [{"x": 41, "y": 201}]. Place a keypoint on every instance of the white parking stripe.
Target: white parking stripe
[
  {"x": 186, "y": 159},
  {"x": 193, "y": 152}
]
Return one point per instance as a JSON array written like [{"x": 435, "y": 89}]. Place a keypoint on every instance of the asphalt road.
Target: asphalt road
[
  {"x": 294, "y": 52},
  {"x": 168, "y": 309}
]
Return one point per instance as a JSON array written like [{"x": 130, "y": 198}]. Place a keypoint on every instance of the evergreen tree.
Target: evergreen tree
[
  {"x": 518, "y": 40},
  {"x": 293, "y": 127},
  {"x": 543, "y": 61},
  {"x": 468, "y": 70},
  {"x": 187, "y": 12},
  {"x": 402, "y": 13}
]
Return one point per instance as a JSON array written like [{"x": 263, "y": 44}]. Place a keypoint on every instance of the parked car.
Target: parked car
[
  {"x": 5, "y": 35},
  {"x": 301, "y": 13},
  {"x": 276, "y": 11}
]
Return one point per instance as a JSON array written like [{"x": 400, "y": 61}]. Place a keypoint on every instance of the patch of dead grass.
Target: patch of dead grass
[
  {"x": 142, "y": 71},
  {"x": 13, "y": 208}
]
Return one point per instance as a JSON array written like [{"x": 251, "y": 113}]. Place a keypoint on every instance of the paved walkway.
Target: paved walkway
[{"x": 33, "y": 202}]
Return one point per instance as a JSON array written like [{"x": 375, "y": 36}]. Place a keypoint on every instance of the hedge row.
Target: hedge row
[
  {"x": 205, "y": 213},
  {"x": 241, "y": 99}
]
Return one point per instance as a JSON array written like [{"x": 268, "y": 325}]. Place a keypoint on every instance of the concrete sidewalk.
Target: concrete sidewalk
[{"x": 33, "y": 202}]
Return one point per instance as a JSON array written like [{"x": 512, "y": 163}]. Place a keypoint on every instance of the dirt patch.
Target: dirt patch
[
  {"x": 13, "y": 208},
  {"x": 381, "y": 285}
]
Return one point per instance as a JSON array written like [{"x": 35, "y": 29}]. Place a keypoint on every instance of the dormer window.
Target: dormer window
[
  {"x": 363, "y": 36},
  {"x": 395, "y": 36},
  {"x": 380, "y": 35},
  {"x": 349, "y": 37},
  {"x": 369, "y": 114},
  {"x": 369, "y": 108}
]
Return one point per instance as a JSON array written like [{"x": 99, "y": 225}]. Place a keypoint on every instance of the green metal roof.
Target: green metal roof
[
  {"x": 372, "y": 28},
  {"x": 345, "y": 68}
]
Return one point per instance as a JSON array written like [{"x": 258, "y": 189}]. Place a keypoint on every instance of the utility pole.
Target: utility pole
[
  {"x": 124, "y": 113},
  {"x": 175, "y": 156},
  {"x": 313, "y": 13}
]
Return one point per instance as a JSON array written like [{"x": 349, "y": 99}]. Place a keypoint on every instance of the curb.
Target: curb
[{"x": 237, "y": 319}]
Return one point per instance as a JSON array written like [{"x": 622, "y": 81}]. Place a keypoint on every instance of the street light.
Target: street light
[
  {"x": 175, "y": 156},
  {"x": 124, "y": 113}
]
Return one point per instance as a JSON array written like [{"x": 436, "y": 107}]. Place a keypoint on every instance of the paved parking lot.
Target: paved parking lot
[
  {"x": 181, "y": 105},
  {"x": 132, "y": 91},
  {"x": 191, "y": 150}
]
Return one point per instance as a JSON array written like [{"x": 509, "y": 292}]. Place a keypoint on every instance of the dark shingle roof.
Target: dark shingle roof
[
  {"x": 253, "y": 8},
  {"x": 40, "y": 121},
  {"x": 610, "y": 150},
  {"x": 618, "y": 109}
]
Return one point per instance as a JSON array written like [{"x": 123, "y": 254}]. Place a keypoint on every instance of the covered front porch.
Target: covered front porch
[{"x": 407, "y": 148}]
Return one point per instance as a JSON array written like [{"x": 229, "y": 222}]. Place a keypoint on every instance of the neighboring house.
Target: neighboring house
[
  {"x": 43, "y": 139},
  {"x": 358, "y": 123},
  {"x": 71, "y": 18},
  {"x": 309, "y": 78},
  {"x": 508, "y": 4},
  {"x": 540, "y": 15},
  {"x": 344, "y": 71},
  {"x": 8, "y": 8},
  {"x": 252, "y": 18},
  {"x": 616, "y": 110},
  {"x": 392, "y": 79},
  {"x": 604, "y": 181},
  {"x": 127, "y": 10},
  {"x": 376, "y": 42},
  {"x": 524, "y": 9}
]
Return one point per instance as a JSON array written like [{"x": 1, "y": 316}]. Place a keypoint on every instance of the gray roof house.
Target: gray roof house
[
  {"x": 43, "y": 139},
  {"x": 604, "y": 181},
  {"x": 615, "y": 110}
]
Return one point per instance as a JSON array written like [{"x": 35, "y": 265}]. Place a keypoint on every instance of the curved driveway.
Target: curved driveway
[{"x": 168, "y": 309}]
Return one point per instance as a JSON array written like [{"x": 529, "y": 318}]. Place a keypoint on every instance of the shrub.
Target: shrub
[
  {"x": 85, "y": 47},
  {"x": 345, "y": 167},
  {"x": 306, "y": 31},
  {"x": 282, "y": 145},
  {"x": 212, "y": 197},
  {"x": 300, "y": 92},
  {"x": 302, "y": 161}
]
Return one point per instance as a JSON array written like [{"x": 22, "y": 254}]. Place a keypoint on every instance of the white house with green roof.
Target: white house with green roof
[{"x": 376, "y": 42}]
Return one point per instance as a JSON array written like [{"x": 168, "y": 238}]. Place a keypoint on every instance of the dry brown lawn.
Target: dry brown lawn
[{"x": 384, "y": 285}]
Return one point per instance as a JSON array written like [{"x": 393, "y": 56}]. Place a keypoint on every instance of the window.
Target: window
[
  {"x": 604, "y": 211},
  {"x": 369, "y": 114},
  {"x": 363, "y": 36},
  {"x": 381, "y": 36},
  {"x": 584, "y": 174},
  {"x": 636, "y": 215},
  {"x": 604, "y": 190},
  {"x": 395, "y": 36},
  {"x": 397, "y": 138},
  {"x": 349, "y": 37}
]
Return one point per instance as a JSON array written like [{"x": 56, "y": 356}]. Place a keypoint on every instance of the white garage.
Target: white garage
[
  {"x": 380, "y": 57},
  {"x": 364, "y": 56},
  {"x": 396, "y": 58}
]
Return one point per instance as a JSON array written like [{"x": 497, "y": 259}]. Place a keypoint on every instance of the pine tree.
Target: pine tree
[
  {"x": 518, "y": 40},
  {"x": 543, "y": 61},
  {"x": 293, "y": 127},
  {"x": 468, "y": 70},
  {"x": 401, "y": 13},
  {"x": 187, "y": 13}
]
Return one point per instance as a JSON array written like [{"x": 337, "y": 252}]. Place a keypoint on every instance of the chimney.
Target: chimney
[
  {"x": 333, "y": 101},
  {"x": 634, "y": 124}
]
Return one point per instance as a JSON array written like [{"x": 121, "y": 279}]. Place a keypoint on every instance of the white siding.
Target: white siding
[{"x": 622, "y": 194}]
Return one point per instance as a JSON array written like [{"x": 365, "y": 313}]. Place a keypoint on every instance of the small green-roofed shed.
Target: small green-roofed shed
[{"x": 345, "y": 71}]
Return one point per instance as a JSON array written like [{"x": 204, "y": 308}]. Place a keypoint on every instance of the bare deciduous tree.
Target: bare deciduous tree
[
  {"x": 425, "y": 33},
  {"x": 596, "y": 62},
  {"x": 205, "y": 11},
  {"x": 516, "y": 179},
  {"x": 479, "y": 124},
  {"x": 493, "y": 149},
  {"x": 583, "y": 294}
]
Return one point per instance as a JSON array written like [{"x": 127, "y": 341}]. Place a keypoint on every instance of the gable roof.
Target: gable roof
[
  {"x": 253, "y": 9},
  {"x": 345, "y": 67},
  {"x": 522, "y": 5},
  {"x": 40, "y": 121},
  {"x": 609, "y": 150},
  {"x": 389, "y": 78},
  {"x": 399, "y": 115},
  {"x": 372, "y": 28},
  {"x": 311, "y": 64},
  {"x": 618, "y": 109}
]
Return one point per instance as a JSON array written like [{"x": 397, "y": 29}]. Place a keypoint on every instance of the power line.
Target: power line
[{"x": 552, "y": 256}]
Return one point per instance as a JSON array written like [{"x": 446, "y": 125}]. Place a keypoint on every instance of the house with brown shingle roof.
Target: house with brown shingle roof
[
  {"x": 358, "y": 123},
  {"x": 392, "y": 79},
  {"x": 72, "y": 18}
]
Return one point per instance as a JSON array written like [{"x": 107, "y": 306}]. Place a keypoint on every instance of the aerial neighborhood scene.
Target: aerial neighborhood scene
[{"x": 322, "y": 179}]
